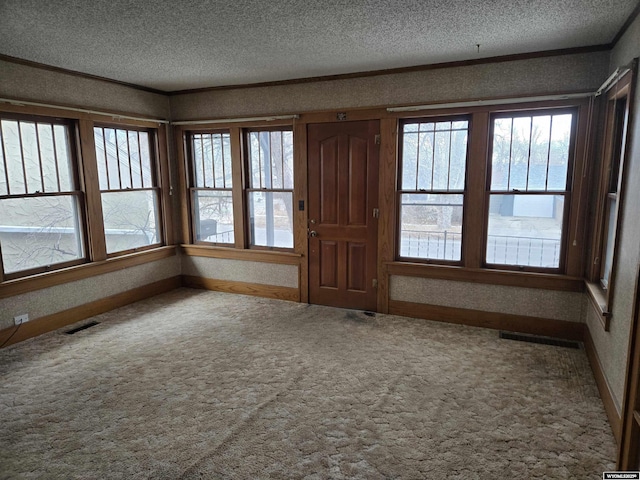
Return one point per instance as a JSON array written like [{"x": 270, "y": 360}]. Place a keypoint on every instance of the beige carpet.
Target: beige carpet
[{"x": 202, "y": 385}]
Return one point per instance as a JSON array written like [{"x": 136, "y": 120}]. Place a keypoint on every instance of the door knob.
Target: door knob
[{"x": 313, "y": 233}]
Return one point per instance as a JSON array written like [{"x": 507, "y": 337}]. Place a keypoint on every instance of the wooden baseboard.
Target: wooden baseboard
[
  {"x": 613, "y": 414},
  {"x": 66, "y": 317},
  {"x": 255, "y": 289},
  {"x": 499, "y": 321}
]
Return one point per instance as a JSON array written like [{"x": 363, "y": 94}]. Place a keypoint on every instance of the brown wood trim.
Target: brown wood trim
[
  {"x": 625, "y": 26},
  {"x": 183, "y": 185},
  {"x": 50, "y": 279},
  {"x": 615, "y": 420},
  {"x": 265, "y": 256},
  {"x": 414, "y": 68},
  {"x": 242, "y": 288},
  {"x": 387, "y": 206},
  {"x": 240, "y": 222},
  {"x": 75, "y": 73},
  {"x": 301, "y": 217},
  {"x": 473, "y": 229},
  {"x": 113, "y": 117},
  {"x": 490, "y": 276},
  {"x": 67, "y": 317},
  {"x": 598, "y": 300},
  {"x": 494, "y": 320},
  {"x": 576, "y": 240},
  {"x": 164, "y": 182},
  {"x": 96, "y": 245}
]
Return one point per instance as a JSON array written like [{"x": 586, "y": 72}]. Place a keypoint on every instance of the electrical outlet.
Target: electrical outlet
[{"x": 20, "y": 319}]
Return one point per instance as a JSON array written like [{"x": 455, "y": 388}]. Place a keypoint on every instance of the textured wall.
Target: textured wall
[
  {"x": 612, "y": 346},
  {"x": 241, "y": 271},
  {"x": 523, "y": 77},
  {"x": 531, "y": 302},
  {"x": 62, "y": 297},
  {"x": 44, "y": 86}
]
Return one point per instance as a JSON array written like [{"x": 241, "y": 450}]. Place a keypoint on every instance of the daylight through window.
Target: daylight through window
[
  {"x": 530, "y": 166},
  {"x": 270, "y": 192},
  {"x": 40, "y": 219},
  {"x": 432, "y": 183},
  {"x": 128, "y": 186}
]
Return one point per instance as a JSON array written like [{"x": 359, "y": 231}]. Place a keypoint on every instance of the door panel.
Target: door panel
[
  {"x": 356, "y": 266},
  {"x": 328, "y": 264},
  {"x": 343, "y": 192}
]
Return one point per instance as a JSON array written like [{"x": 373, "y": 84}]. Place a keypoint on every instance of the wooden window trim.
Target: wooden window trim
[
  {"x": 567, "y": 219},
  {"x": 254, "y": 255},
  {"x": 400, "y": 191},
  {"x": 191, "y": 187},
  {"x": 602, "y": 299},
  {"x": 545, "y": 281},
  {"x": 247, "y": 189},
  {"x": 475, "y": 225},
  {"x": 32, "y": 283},
  {"x": 78, "y": 192},
  {"x": 160, "y": 178}
]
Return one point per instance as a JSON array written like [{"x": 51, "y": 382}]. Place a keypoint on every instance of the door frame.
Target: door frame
[{"x": 304, "y": 153}]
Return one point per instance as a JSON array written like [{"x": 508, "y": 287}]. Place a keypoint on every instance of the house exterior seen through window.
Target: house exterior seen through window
[{"x": 40, "y": 202}]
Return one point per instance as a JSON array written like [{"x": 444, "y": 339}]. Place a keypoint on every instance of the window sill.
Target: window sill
[
  {"x": 32, "y": 283},
  {"x": 598, "y": 299},
  {"x": 545, "y": 281},
  {"x": 266, "y": 256}
]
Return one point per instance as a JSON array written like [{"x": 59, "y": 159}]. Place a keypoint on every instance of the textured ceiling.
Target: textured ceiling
[{"x": 178, "y": 44}]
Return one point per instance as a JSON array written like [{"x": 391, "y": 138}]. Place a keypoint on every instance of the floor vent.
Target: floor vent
[
  {"x": 539, "y": 339},
  {"x": 82, "y": 327}
]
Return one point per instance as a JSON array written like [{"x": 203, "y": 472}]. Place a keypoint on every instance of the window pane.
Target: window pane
[
  {"x": 123, "y": 158},
  {"x": 130, "y": 219},
  {"x": 541, "y": 129},
  {"x": 559, "y": 152},
  {"x": 501, "y": 153},
  {"x": 39, "y": 231},
  {"x": 409, "y": 158},
  {"x": 101, "y": 159},
  {"x": 47, "y": 159},
  {"x": 425, "y": 160},
  {"x": 13, "y": 155},
  {"x": 145, "y": 157},
  {"x": 134, "y": 154},
  {"x": 271, "y": 159},
  {"x": 434, "y": 156},
  {"x": 431, "y": 226},
  {"x": 525, "y": 230},
  {"x": 520, "y": 142},
  {"x": 610, "y": 242},
  {"x": 65, "y": 169},
  {"x": 531, "y": 153},
  {"x": 214, "y": 216},
  {"x": 271, "y": 219}
]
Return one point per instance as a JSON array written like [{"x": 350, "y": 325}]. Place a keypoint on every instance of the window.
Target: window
[
  {"x": 129, "y": 188},
  {"x": 432, "y": 184},
  {"x": 616, "y": 115},
  {"x": 211, "y": 193},
  {"x": 530, "y": 170},
  {"x": 40, "y": 203},
  {"x": 270, "y": 188}
]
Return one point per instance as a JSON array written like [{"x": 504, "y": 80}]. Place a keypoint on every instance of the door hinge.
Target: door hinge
[
  {"x": 374, "y": 284},
  {"x": 377, "y": 139},
  {"x": 376, "y": 213}
]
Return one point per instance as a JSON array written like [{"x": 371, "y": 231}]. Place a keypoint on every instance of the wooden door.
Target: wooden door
[{"x": 343, "y": 223}]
